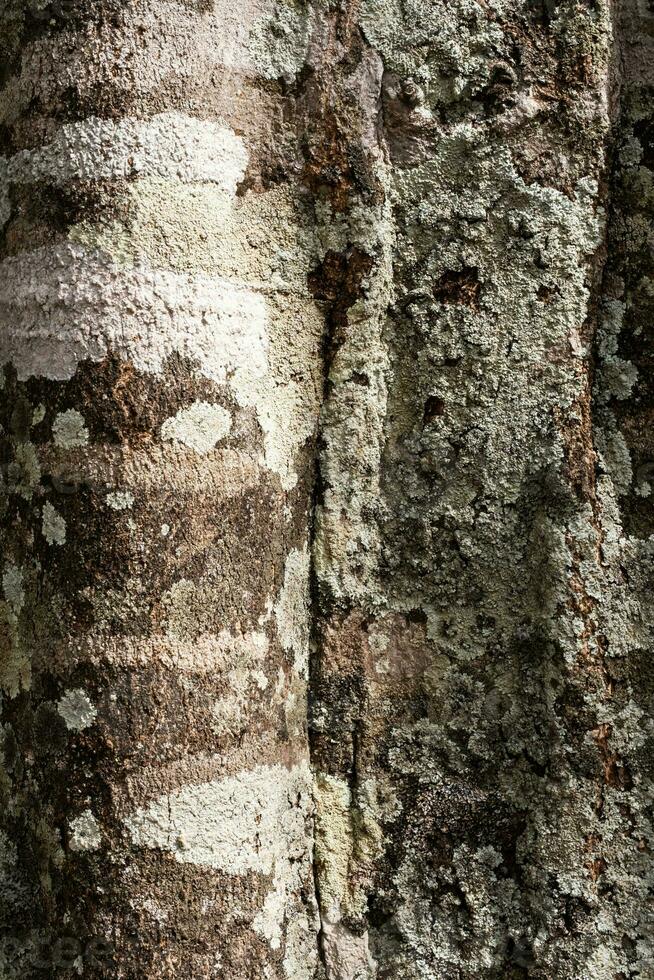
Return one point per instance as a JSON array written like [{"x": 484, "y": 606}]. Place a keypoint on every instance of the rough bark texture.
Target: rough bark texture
[{"x": 327, "y": 455}]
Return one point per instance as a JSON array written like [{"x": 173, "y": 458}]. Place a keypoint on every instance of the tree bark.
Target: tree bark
[
  {"x": 327, "y": 520},
  {"x": 163, "y": 380}
]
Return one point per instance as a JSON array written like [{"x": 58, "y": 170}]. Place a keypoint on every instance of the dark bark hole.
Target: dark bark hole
[
  {"x": 460, "y": 287},
  {"x": 339, "y": 282},
  {"x": 499, "y": 91},
  {"x": 539, "y": 259},
  {"x": 434, "y": 406},
  {"x": 21, "y": 419},
  {"x": 416, "y": 616},
  {"x": 339, "y": 277},
  {"x": 644, "y": 133}
]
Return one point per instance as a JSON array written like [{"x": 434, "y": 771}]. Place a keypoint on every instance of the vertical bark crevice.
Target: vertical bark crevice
[{"x": 345, "y": 173}]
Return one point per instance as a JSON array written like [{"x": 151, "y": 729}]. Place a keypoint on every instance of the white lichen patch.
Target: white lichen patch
[
  {"x": 84, "y": 833},
  {"x": 348, "y": 840},
  {"x": 257, "y": 820},
  {"x": 199, "y": 427},
  {"x": 13, "y": 588},
  {"x": 346, "y": 541},
  {"x": 292, "y": 609},
  {"x": 278, "y": 42},
  {"x": 269, "y": 921},
  {"x": 163, "y": 228},
  {"x": 378, "y": 641},
  {"x": 286, "y": 415},
  {"x": 346, "y": 953},
  {"x": 231, "y": 713},
  {"x": 167, "y": 145},
  {"x": 233, "y": 300},
  {"x": 260, "y": 679},
  {"x": 283, "y": 920},
  {"x": 77, "y": 710},
  {"x": 301, "y": 949},
  {"x": 251, "y": 821},
  {"x": 181, "y": 42},
  {"x": 148, "y": 905},
  {"x": 287, "y": 398},
  {"x": 69, "y": 430},
  {"x": 53, "y": 525},
  {"x": 208, "y": 653},
  {"x": 266, "y": 239},
  {"x": 120, "y": 499},
  {"x": 239, "y": 659},
  {"x": 142, "y": 314}
]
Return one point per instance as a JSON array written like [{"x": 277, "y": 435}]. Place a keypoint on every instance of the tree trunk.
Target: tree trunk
[
  {"x": 164, "y": 377},
  {"x": 327, "y": 459}
]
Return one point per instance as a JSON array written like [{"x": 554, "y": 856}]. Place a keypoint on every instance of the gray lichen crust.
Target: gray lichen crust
[
  {"x": 481, "y": 715},
  {"x": 327, "y": 488}
]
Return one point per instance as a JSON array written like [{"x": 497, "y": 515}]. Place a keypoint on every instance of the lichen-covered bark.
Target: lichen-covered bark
[
  {"x": 161, "y": 388},
  {"x": 325, "y": 332},
  {"x": 481, "y": 711}
]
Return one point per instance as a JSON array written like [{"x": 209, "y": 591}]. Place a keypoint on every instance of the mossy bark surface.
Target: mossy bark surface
[{"x": 327, "y": 489}]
